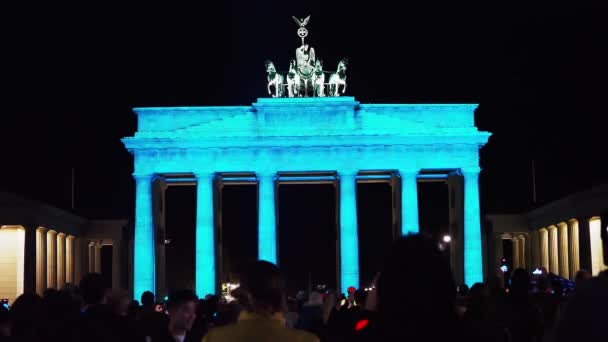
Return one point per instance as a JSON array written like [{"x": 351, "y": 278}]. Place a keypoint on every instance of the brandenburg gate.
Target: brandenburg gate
[
  {"x": 292, "y": 133},
  {"x": 306, "y": 135}
]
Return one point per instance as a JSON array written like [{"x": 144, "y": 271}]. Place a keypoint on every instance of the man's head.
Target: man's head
[
  {"x": 428, "y": 297},
  {"x": 93, "y": 287},
  {"x": 147, "y": 299},
  {"x": 264, "y": 287},
  {"x": 360, "y": 297},
  {"x": 581, "y": 277},
  {"x": 182, "y": 309}
]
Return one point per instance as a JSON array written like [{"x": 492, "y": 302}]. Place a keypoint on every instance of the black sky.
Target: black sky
[{"x": 70, "y": 77}]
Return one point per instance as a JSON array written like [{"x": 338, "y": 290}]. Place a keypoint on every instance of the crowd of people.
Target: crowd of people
[{"x": 414, "y": 299}]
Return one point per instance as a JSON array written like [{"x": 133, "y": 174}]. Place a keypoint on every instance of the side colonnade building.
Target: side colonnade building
[
  {"x": 45, "y": 247},
  {"x": 277, "y": 139},
  {"x": 562, "y": 237}
]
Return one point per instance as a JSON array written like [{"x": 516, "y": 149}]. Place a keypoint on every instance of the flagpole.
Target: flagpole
[
  {"x": 533, "y": 183},
  {"x": 72, "y": 188}
]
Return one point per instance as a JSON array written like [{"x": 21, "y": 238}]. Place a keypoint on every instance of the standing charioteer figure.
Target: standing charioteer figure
[
  {"x": 306, "y": 76},
  {"x": 305, "y": 57}
]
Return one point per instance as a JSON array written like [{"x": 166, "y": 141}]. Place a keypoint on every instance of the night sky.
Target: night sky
[{"x": 70, "y": 77}]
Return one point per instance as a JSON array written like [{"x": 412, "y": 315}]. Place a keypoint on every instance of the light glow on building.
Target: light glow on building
[
  {"x": 597, "y": 252},
  {"x": 314, "y": 134}
]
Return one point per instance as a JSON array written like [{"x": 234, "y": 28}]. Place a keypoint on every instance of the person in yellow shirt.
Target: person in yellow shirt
[{"x": 264, "y": 303}]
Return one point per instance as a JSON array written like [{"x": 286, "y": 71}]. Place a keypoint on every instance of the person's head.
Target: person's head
[
  {"x": 93, "y": 288},
  {"x": 478, "y": 295},
  {"x": 329, "y": 304},
  {"x": 478, "y": 290},
  {"x": 264, "y": 286},
  {"x": 292, "y": 306},
  {"x": 520, "y": 283},
  {"x": 61, "y": 305},
  {"x": 463, "y": 290},
  {"x": 315, "y": 298},
  {"x": 581, "y": 277},
  {"x": 360, "y": 297},
  {"x": 415, "y": 282},
  {"x": 494, "y": 285},
  {"x": 330, "y": 299},
  {"x": 181, "y": 307},
  {"x": 119, "y": 302},
  {"x": 147, "y": 299},
  {"x": 583, "y": 319},
  {"x": 133, "y": 308},
  {"x": 48, "y": 293},
  {"x": 350, "y": 292},
  {"x": 26, "y": 315}
]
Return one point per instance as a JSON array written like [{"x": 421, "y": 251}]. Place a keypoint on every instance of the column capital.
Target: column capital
[
  {"x": 204, "y": 175},
  {"x": 409, "y": 171},
  {"x": 266, "y": 173},
  {"x": 474, "y": 170},
  {"x": 143, "y": 176},
  {"x": 347, "y": 173}
]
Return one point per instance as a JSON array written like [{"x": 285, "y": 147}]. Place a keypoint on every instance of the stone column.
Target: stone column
[
  {"x": 597, "y": 253},
  {"x": 562, "y": 232},
  {"x": 205, "y": 236},
  {"x": 91, "y": 253},
  {"x": 553, "y": 250},
  {"x": 69, "y": 259},
  {"x": 349, "y": 240},
  {"x": 41, "y": 264},
  {"x": 97, "y": 253},
  {"x": 51, "y": 258},
  {"x": 573, "y": 248},
  {"x": 267, "y": 223},
  {"x": 409, "y": 202},
  {"x": 473, "y": 259},
  {"x": 144, "y": 273},
  {"x": 516, "y": 254},
  {"x": 60, "y": 260},
  {"x": 543, "y": 234},
  {"x": 522, "y": 252}
]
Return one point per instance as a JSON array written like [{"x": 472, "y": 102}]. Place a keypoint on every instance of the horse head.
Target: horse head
[
  {"x": 318, "y": 67},
  {"x": 270, "y": 67}
]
